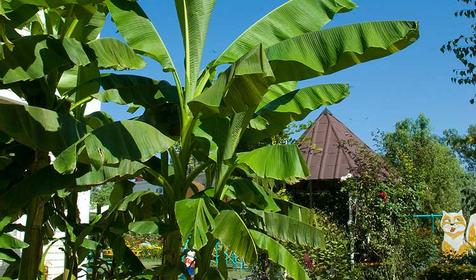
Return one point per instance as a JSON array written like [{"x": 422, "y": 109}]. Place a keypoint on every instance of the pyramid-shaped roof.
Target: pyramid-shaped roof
[{"x": 321, "y": 147}]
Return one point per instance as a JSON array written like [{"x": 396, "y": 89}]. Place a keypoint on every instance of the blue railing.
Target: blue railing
[{"x": 429, "y": 216}]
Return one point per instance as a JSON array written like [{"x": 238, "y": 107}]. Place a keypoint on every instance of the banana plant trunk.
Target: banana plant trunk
[
  {"x": 172, "y": 253},
  {"x": 31, "y": 256},
  {"x": 71, "y": 257}
]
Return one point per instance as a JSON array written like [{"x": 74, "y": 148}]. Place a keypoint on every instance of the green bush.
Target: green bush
[
  {"x": 330, "y": 262},
  {"x": 387, "y": 242},
  {"x": 449, "y": 271}
]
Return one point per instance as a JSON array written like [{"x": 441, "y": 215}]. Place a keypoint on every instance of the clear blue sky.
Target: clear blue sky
[{"x": 413, "y": 81}]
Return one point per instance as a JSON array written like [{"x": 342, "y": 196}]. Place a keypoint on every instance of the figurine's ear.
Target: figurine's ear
[
  {"x": 444, "y": 213},
  {"x": 460, "y": 212}
]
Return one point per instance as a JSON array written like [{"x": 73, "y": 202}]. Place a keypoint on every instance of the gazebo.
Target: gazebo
[{"x": 327, "y": 147}]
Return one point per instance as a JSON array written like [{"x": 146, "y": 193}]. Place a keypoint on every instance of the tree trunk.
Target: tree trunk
[
  {"x": 172, "y": 253},
  {"x": 31, "y": 256},
  {"x": 71, "y": 257},
  {"x": 204, "y": 256}
]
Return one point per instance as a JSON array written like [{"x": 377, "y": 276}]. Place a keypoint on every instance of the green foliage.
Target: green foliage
[
  {"x": 286, "y": 136},
  {"x": 208, "y": 126},
  {"x": 446, "y": 269},
  {"x": 381, "y": 205},
  {"x": 464, "y": 48},
  {"x": 425, "y": 164},
  {"x": 100, "y": 195},
  {"x": 332, "y": 260},
  {"x": 463, "y": 145},
  {"x": 468, "y": 200},
  {"x": 146, "y": 246}
]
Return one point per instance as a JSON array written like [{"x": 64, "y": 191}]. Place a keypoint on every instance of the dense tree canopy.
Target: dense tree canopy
[
  {"x": 464, "y": 145},
  {"x": 425, "y": 164}
]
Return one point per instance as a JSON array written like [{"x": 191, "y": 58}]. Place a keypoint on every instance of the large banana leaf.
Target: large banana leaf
[
  {"x": 9, "y": 242},
  {"x": 86, "y": 20},
  {"x": 31, "y": 58},
  {"x": 210, "y": 101},
  {"x": 240, "y": 88},
  {"x": 193, "y": 17},
  {"x": 111, "y": 143},
  {"x": 87, "y": 74},
  {"x": 39, "y": 128},
  {"x": 296, "y": 211},
  {"x": 124, "y": 170},
  {"x": 97, "y": 119},
  {"x": 233, "y": 233},
  {"x": 75, "y": 51},
  {"x": 42, "y": 183},
  {"x": 112, "y": 53},
  {"x": 288, "y": 229},
  {"x": 9, "y": 256},
  {"x": 143, "y": 227},
  {"x": 139, "y": 32},
  {"x": 278, "y": 254},
  {"x": 18, "y": 16},
  {"x": 137, "y": 90},
  {"x": 80, "y": 75},
  {"x": 211, "y": 131},
  {"x": 194, "y": 220},
  {"x": 237, "y": 92},
  {"x": 284, "y": 108},
  {"x": 49, "y": 3},
  {"x": 293, "y": 18},
  {"x": 302, "y": 101},
  {"x": 252, "y": 194},
  {"x": 280, "y": 162},
  {"x": 275, "y": 91},
  {"x": 324, "y": 52}
]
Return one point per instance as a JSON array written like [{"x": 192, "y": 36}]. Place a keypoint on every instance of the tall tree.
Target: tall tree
[
  {"x": 425, "y": 164},
  {"x": 464, "y": 145}
]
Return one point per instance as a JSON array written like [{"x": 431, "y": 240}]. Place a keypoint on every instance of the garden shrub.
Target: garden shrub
[
  {"x": 330, "y": 262},
  {"x": 450, "y": 269},
  {"x": 145, "y": 246},
  {"x": 385, "y": 238}
]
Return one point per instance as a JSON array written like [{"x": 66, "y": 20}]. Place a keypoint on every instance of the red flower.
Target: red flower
[
  {"x": 308, "y": 261},
  {"x": 383, "y": 196}
]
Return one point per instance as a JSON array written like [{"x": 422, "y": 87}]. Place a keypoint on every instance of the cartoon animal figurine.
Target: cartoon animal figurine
[
  {"x": 454, "y": 226},
  {"x": 471, "y": 232},
  {"x": 190, "y": 263}
]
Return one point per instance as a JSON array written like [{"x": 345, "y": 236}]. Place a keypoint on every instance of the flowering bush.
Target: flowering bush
[
  {"x": 144, "y": 245},
  {"x": 330, "y": 262},
  {"x": 384, "y": 237}
]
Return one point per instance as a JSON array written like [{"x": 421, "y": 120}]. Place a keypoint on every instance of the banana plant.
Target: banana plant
[
  {"x": 208, "y": 122},
  {"x": 219, "y": 118},
  {"x": 48, "y": 48}
]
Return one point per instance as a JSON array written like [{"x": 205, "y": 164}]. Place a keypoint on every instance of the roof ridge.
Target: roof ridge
[{"x": 327, "y": 163}]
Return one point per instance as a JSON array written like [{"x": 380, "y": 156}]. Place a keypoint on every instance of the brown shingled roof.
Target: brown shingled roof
[{"x": 321, "y": 148}]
